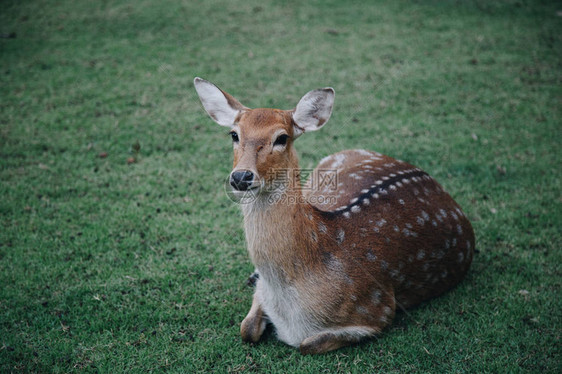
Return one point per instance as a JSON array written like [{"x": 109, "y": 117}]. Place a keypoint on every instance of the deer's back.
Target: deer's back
[{"x": 389, "y": 224}]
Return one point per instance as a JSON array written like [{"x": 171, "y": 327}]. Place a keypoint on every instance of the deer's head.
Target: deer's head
[{"x": 263, "y": 138}]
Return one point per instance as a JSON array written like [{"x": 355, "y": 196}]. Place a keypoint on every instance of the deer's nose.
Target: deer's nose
[{"x": 241, "y": 180}]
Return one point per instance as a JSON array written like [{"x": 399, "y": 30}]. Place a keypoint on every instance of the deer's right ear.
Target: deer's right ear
[{"x": 222, "y": 107}]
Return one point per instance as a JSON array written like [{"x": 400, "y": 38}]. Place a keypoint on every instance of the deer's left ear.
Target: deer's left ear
[
  {"x": 313, "y": 110},
  {"x": 222, "y": 107}
]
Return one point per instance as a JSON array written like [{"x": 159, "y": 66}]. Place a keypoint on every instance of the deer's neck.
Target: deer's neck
[{"x": 276, "y": 227}]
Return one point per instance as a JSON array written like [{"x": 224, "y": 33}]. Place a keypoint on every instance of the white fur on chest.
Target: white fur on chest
[
  {"x": 270, "y": 245},
  {"x": 284, "y": 308}
]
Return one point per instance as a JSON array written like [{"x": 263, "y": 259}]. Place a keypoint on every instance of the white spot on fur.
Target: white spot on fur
[
  {"x": 340, "y": 235},
  {"x": 355, "y": 209},
  {"x": 408, "y": 232},
  {"x": 362, "y": 232},
  {"x": 363, "y": 152},
  {"x": 314, "y": 236},
  {"x": 346, "y": 214},
  {"x": 376, "y": 297},
  {"x": 421, "y": 254},
  {"x": 325, "y": 159},
  {"x": 338, "y": 160},
  {"x": 366, "y": 202}
]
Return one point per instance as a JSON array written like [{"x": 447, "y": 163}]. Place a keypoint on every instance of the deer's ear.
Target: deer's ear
[
  {"x": 222, "y": 107},
  {"x": 313, "y": 110}
]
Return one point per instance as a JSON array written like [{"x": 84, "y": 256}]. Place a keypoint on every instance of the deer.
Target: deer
[{"x": 334, "y": 261}]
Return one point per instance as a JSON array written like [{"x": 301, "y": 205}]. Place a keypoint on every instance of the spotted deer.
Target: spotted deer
[{"x": 335, "y": 261}]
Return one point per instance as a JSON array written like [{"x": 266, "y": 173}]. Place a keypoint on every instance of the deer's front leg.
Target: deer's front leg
[{"x": 254, "y": 324}]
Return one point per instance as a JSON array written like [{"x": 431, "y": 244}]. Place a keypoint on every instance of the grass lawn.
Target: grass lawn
[{"x": 120, "y": 251}]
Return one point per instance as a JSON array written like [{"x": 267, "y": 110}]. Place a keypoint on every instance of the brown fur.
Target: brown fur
[
  {"x": 392, "y": 238},
  {"x": 403, "y": 275}
]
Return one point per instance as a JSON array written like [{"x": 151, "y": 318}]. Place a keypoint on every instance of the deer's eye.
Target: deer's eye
[
  {"x": 281, "y": 140},
  {"x": 234, "y": 136}
]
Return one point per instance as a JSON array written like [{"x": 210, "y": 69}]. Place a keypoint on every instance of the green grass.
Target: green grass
[{"x": 110, "y": 266}]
